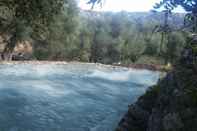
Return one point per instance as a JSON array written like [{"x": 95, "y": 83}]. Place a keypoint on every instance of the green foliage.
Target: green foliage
[
  {"x": 28, "y": 18},
  {"x": 194, "y": 49},
  {"x": 41, "y": 54},
  {"x": 173, "y": 47},
  {"x": 39, "y": 9},
  {"x": 193, "y": 95},
  {"x": 132, "y": 49},
  {"x": 62, "y": 34},
  {"x": 149, "y": 98},
  {"x": 150, "y": 60},
  {"x": 189, "y": 6},
  {"x": 106, "y": 38},
  {"x": 151, "y": 48},
  {"x": 90, "y": 37}
]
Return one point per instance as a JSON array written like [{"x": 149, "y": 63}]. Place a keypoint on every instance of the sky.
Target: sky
[{"x": 124, "y": 5}]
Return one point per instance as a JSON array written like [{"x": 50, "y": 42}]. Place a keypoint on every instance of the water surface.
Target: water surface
[{"x": 71, "y": 97}]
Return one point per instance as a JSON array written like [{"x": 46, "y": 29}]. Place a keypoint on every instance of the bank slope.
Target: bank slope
[{"x": 169, "y": 106}]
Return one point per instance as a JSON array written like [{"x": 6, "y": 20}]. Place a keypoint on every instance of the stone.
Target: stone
[
  {"x": 172, "y": 122},
  {"x": 154, "y": 122},
  {"x": 21, "y": 57}
]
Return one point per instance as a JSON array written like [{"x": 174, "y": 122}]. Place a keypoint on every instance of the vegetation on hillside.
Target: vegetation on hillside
[
  {"x": 60, "y": 31},
  {"x": 24, "y": 19},
  {"x": 171, "y": 104},
  {"x": 66, "y": 33},
  {"x": 111, "y": 38}
]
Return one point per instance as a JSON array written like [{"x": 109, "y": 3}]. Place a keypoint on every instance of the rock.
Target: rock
[
  {"x": 172, "y": 122},
  {"x": 22, "y": 57},
  {"x": 139, "y": 113},
  {"x": 0, "y": 57},
  {"x": 169, "y": 106},
  {"x": 154, "y": 122},
  {"x": 134, "y": 120}
]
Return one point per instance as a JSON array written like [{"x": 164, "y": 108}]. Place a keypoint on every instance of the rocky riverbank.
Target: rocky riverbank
[
  {"x": 152, "y": 67},
  {"x": 169, "y": 106},
  {"x": 160, "y": 68}
]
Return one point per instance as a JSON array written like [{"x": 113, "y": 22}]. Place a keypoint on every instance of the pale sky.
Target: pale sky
[{"x": 124, "y": 5}]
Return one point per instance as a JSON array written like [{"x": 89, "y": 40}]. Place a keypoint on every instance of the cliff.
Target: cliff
[{"x": 171, "y": 105}]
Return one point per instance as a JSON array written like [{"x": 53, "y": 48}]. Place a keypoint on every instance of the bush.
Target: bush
[{"x": 151, "y": 60}]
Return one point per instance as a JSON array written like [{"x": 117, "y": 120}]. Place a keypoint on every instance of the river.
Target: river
[{"x": 68, "y": 97}]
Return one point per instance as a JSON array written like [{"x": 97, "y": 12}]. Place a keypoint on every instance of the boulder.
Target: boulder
[
  {"x": 172, "y": 122},
  {"x": 171, "y": 105}
]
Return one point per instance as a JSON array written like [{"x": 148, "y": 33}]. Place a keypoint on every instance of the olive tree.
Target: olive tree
[{"x": 18, "y": 16}]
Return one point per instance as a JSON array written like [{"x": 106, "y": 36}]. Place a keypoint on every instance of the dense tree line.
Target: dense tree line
[
  {"x": 62, "y": 32},
  {"x": 112, "y": 38}
]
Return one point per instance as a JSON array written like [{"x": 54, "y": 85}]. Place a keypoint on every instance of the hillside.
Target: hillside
[
  {"x": 171, "y": 105},
  {"x": 107, "y": 38},
  {"x": 175, "y": 20}
]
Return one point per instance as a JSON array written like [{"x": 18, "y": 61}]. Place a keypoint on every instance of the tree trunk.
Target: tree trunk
[
  {"x": 94, "y": 49},
  {"x": 9, "y": 48}
]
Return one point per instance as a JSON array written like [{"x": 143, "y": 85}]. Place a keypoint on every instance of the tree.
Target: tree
[
  {"x": 18, "y": 16},
  {"x": 164, "y": 29},
  {"x": 190, "y": 6},
  {"x": 174, "y": 46},
  {"x": 93, "y": 2},
  {"x": 63, "y": 34}
]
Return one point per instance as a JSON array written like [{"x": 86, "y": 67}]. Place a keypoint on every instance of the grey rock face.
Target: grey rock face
[
  {"x": 172, "y": 122},
  {"x": 154, "y": 122},
  {"x": 169, "y": 106}
]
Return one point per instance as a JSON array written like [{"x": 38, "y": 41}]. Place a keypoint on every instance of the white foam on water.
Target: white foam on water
[
  {"x": 114, "y": 76},
  {"x": 145, "y": 77},
  {"x": 82, "y": 70},
  {"x": 32, "y": 70}
]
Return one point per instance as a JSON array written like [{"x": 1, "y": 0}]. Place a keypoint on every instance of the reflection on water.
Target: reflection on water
[{"x": 72, "y": 97}]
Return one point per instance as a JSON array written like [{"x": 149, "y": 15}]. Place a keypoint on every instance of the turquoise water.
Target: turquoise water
[{"x": 71, "y": 97}]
